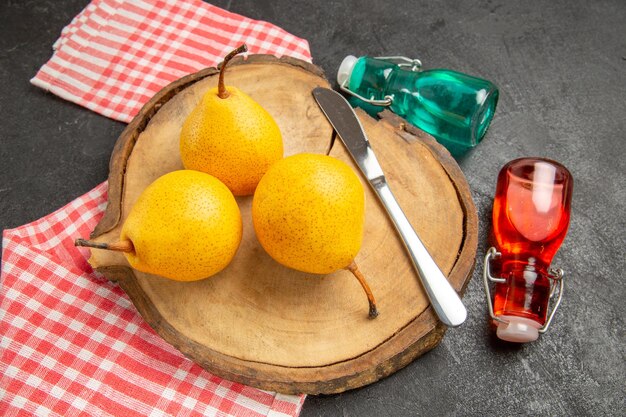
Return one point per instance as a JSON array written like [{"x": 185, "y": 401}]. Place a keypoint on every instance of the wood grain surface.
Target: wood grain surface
[{"x": 263, "y": 324}]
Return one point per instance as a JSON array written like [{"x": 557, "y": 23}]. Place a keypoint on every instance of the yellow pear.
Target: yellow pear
[
  {"x": 230, "y": 136},
  {"x": 308, "y": 213},
  {"x": 185, "y": 226}
]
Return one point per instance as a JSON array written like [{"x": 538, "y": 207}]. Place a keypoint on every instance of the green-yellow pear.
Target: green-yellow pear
[
  {"x": 308, "y": 213},
  {"x": 185, "y": 226},
  {"x": 230, "y": 136}
]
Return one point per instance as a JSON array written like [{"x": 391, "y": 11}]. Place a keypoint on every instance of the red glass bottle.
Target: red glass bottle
[{"x": 531, "y": 213}]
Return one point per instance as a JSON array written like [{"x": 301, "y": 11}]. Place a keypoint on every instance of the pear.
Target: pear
[
  {"x": 184, "y": 226},
  {"x": 230, "y": 136},
  {"x": 308, "y": 213}
]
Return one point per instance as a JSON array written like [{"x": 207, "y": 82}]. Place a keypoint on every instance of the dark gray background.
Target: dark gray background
[{"x": 561, "y": 69}]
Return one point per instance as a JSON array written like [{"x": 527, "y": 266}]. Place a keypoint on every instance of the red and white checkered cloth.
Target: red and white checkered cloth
[
  {"x": 72, "y": 343},
  {"x": 116, "y": 54}
]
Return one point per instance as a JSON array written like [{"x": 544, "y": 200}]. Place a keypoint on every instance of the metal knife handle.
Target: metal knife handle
[{"x": 442, "y": 296}]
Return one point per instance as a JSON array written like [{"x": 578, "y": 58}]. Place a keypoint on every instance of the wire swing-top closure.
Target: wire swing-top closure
[
  {"x": 411, "y": 64},
  {"x": 554, "y": 274}
]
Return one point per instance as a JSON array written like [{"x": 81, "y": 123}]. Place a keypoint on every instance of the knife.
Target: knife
[{"x": 444, "y": 299}]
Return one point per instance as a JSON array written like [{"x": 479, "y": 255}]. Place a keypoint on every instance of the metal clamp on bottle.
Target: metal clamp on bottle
[
  {"x": 385, "y": 102},
  {"x": 555, "y": 275},
  {"x": 401, "y": 61}
]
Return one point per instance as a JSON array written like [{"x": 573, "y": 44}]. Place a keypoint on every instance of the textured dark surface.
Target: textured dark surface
[{"x": 561, "y": 69}]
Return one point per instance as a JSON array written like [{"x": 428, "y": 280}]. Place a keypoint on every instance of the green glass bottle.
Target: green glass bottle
[{"x": 455, "y": 108}]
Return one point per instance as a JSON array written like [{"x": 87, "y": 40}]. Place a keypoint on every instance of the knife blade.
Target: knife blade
[{"x": 444, "y": 299}]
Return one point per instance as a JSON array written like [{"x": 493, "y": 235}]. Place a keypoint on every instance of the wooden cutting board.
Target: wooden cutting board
[{"x": 263, "y": 324}]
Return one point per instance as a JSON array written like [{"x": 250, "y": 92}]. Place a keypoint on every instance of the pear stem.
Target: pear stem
[
  {"x": 373, "y": 313},
  {"x": 222, "y": 92},
  {"x": 121, "y": 246}
]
